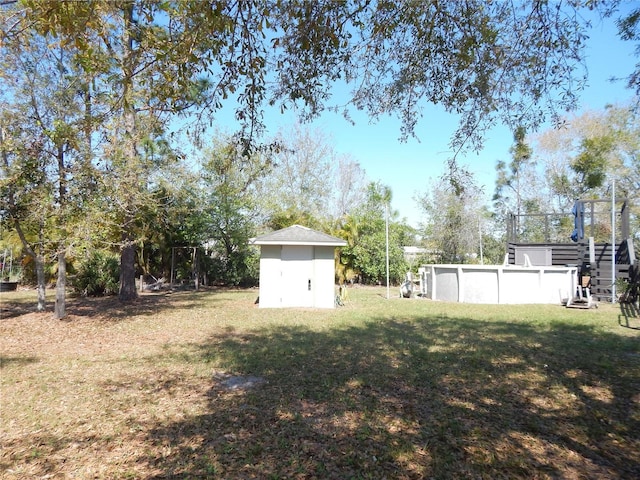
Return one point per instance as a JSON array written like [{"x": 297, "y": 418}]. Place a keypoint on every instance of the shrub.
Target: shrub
[
  {"x": 240, "y": 269},
  {"x": 98, "y": 275}
]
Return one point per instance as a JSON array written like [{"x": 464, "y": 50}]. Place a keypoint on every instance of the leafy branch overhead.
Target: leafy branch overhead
[{"x": 510, "y": 62}]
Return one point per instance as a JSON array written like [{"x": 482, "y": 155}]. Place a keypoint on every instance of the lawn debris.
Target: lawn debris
[{"x": 229, "y": 381}]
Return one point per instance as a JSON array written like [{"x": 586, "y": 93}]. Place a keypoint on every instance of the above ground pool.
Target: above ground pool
[{"x": 512, "y": 284}]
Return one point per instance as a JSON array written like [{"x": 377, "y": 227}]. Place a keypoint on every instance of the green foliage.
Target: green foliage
[
  {"x": 629, "y": 29},
  {"x": 512, "y": 179},
  {"x": 453, "y": 217},
  {"x": 292, "y": 216},
  {"x": 493, "y": 250},
  {"x": 173, "y": 219},
  {"x": 368, "y": 257},
  {"x": 364, "y": 257},
  {"x": 229, "y": 214},
  {"x": 472, "y": 58},
  {"x": 98, "y": 275},
  {"x": 592, "y": 161},
  {"x": 239, "y": 269}
]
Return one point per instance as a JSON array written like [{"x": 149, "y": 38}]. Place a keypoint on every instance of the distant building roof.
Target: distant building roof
[
  {"x": 298, "y": 235},
  {"x": 413, "y": 250}
]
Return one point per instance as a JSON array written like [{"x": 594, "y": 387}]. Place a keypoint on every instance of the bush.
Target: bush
[
  {"x": 240, "y": 269},
  {"x": 98, "y": 275}
]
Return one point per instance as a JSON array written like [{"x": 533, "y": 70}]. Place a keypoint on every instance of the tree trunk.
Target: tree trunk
[
  {"x": 42, "y": 281},
  {"x": 128, "y": 289},
  {"x": 42, "y": 294},
  {"x": 61, "y": 285},
  {"x": 38, "y": 258}
]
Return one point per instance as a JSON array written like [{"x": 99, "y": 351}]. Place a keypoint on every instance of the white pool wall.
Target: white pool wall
[{"x": 501, "y": 284}]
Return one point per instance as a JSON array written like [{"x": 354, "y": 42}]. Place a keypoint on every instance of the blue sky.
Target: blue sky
[{"x": 407, "y": 167}]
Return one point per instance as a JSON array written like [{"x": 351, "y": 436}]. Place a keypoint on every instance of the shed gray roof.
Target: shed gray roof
[{"x": 298, "y": 235}]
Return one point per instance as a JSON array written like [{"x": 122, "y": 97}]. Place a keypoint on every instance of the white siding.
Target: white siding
[
  {"x": 298, "y": 282},
  {"x": 324, "y": 290},
  {"x": 270, "y": 276},
  {"x": 297, "y": 276},
  {"x": 508, "y": 284}
]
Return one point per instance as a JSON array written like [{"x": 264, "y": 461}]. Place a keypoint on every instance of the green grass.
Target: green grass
[{"x": 375, "y": 389}]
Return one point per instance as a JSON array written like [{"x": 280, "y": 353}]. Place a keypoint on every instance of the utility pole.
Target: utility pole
[
  {"x": 386, "y": 228},
  {"x": 613, "y": 241},
  {"x": 480, "y": 237}
]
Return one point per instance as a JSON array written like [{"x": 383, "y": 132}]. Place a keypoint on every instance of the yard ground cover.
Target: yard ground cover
[{"x": 375, "y": 389}]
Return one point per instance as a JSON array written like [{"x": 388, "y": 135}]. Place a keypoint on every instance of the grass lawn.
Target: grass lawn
[{"x": 376, "y": 389}]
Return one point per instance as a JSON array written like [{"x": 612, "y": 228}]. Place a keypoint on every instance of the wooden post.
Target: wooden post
[{"x": 173, "y": 262}]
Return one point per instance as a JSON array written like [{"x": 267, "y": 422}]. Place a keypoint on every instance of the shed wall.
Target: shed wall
[
  {"x": 324, "y": 288},
  {"x": 270, "y": 276},
  {"x": 297, "y": 276}
]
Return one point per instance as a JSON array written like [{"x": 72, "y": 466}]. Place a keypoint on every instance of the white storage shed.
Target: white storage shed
[{"x": 297, "y": 268}]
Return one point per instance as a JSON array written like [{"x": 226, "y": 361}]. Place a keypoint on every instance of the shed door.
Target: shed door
[{"x": 297, "y": 276}]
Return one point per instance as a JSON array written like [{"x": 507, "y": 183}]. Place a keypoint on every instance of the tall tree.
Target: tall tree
[
  {"x": 170, "y": 215},
  {"x": 349, "y": 189},
  {"x": 594, "y": 149},
  {"x": 512, "y": 178},
  {"x": 310, "y": 183},
  {"x": 453, "y": 215},
  {"x": 489, "y": 61},
  {"x": 230, "y": 185},
  {"x": 364, "y": 229},
  {"x": 137, "y": 52},
  {"x": 24, "y": 192},
  {"x": 45, "y": 120},
  {"x": 517, "y": 184},
  {"x": 302, "y": 170}
]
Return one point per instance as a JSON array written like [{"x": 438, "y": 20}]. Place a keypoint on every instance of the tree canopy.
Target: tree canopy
[
  {"x": 513, "y": 62},
  {"x": 453, "y": 217},
  {"x": 582, "y": 160},
  {"x": 126, "y": 72}
]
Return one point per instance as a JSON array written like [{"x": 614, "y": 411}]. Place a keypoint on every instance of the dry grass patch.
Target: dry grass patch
[{"x": 206, "y": 385}]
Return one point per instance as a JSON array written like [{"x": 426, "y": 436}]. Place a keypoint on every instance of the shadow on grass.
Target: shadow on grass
[
  {"x": 413, "y": 398},
  {"x": 6, "y": 361},
  {"x": 108, "y": 308},
  {"x": 629, "y": 315},
  {"x": 11, "y": 309}
]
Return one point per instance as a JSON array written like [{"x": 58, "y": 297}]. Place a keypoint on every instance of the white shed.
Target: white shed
[{"x": 297, "y": 268}]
